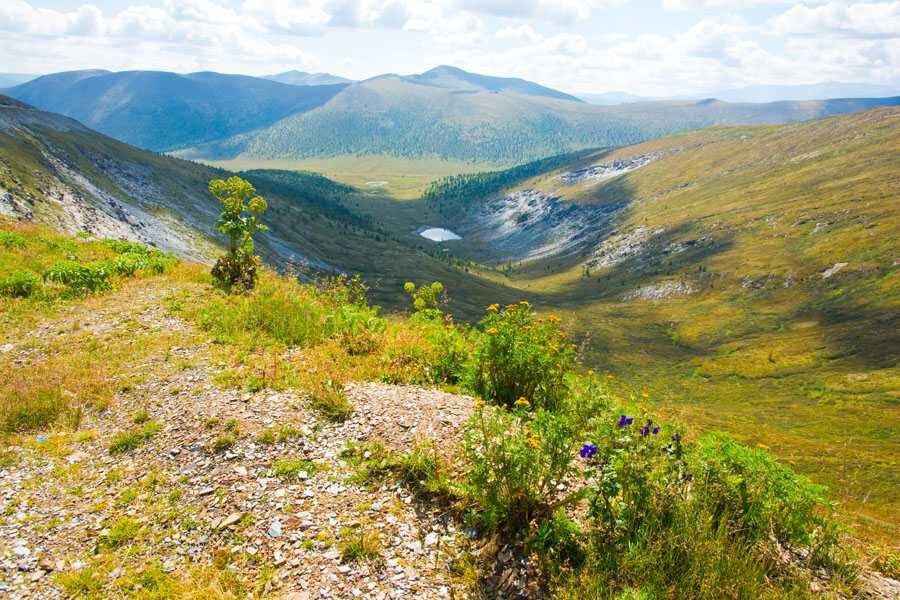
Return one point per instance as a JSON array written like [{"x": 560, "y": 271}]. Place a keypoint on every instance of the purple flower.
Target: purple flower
[
  {"x": 656, "y": 430},
  {"x": 645, "y": 430},
  {"x": 629, "y": 420},
  {"x": 588, "y": 450},
  {"x": 622, "y": 421},
  {"x": 687, "y": 477}
]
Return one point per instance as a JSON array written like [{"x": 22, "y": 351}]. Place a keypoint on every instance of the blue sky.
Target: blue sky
[{"x": 652, "y": 47}]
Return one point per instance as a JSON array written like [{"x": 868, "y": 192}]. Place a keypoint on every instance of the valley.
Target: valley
[
  {"x": 740, "y": 278},
  {"x": 735, "y": 278}
]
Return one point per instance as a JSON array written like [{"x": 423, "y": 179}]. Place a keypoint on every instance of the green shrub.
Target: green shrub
[
  {"x": 10, "y": 239},
  {"x": 282, "y": 433},
  {"x": 239, "y": 220},
  {"x": 753, "y": 494},
  {"x": 126, "y": 247},
  {"x": 224, "y": 442},
  {"x": 426, "y": 299},
  {"x": 635, "y": 471},
  {"x": 79, "y": 278},
  {"x": 520, "y": 355},
  {"x": 20, "y": 284},
  {"x": 514, "y": 463}
]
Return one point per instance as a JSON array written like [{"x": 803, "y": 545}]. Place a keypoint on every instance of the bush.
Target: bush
[
  {"x": 636, "y": 473},
  {"x": 126, "y": 247},
  {"x": 515, "y": 462},
  {"x": 10, "y": 239},
  {"x": 520, "y": 355},
  {"x": 20, "y": 284},
  {"x": 235, "y": 272},
  {"x": 755, "y": 496},
  {"x": 129, "y": 263},
  {"x": 78, "y": 278},
  {"x": 239, "y": 220}
]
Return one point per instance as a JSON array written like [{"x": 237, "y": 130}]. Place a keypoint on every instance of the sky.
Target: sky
[{"x": 645, "y": 47}]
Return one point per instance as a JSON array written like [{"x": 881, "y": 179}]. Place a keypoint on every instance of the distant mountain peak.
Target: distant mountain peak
[
  {"x": 297, "y": 77},
  {"x": 450, "y": 76}
]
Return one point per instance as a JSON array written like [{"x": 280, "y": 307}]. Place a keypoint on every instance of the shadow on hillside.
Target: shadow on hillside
[{"x": 864, "y": 335}]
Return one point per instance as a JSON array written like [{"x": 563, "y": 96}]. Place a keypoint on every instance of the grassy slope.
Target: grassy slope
[
  {"x": 808, "y": 370},
  {"x": 308, "y": 214}
]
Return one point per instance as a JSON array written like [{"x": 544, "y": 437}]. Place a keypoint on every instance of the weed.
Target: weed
[
  {"x": 122, "y": 532},
  {"x": 291, "y": 469},
  {"x": 126, "y": 441},
  {"x": 224, "y": 442},
  {"x": 282, "y": 433},
  {"x": 21, "y": 284},
  {"x": 359, "y": 544}
]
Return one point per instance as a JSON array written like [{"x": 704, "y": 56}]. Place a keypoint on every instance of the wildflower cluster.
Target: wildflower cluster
[{"x": 520, "y": 356}]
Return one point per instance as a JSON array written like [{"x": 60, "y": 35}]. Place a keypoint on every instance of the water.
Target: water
[{"x": 439, "y": 234}]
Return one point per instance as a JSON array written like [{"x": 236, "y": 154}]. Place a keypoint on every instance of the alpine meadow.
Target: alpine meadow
[{"x": 293, "y": 309}]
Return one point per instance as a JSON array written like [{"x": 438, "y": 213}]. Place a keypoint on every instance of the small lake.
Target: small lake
[{"x": 439, "y": 234}]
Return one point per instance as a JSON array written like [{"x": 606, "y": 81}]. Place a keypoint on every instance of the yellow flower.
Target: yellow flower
[
  {"x": 492, "y": 331},
  {"x": 479, "y": 404},
  {"x": 532, "y": 440},
  {"x": 522, "y": 402},
  {"x": 524, "y": 303},
  {"x": 493, "y": 308},
  {"x": 511, "y": 307}
]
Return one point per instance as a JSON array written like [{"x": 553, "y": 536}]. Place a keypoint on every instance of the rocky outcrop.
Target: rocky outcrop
[{"x": 529, "y": 224}]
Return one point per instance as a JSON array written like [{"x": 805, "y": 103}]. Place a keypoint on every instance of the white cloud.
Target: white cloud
[
  {"x": 860, "y": 19},
  {"x": 567, "y": 44}
]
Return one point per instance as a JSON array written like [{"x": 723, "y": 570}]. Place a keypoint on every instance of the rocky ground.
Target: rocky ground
[{"x": 189, "y": 497}]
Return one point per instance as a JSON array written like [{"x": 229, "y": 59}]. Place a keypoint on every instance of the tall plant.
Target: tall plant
[{"x": 239, "y": 220}]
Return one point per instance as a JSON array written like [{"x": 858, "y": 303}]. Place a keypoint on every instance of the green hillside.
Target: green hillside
[
  {"x": 454, "y": 115},
  {"x": 55, "y": 171},
  {"x": 164, "y": 111},
  {"x": 747, "y": 281}
]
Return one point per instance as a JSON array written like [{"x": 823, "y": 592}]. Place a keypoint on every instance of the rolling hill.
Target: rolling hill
[
  {"x": 453, "y": 115},
  {"x": 445, "y": 113},
  {"x": 163, "y": 111}
]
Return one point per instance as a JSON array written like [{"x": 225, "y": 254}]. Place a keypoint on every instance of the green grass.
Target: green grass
[
  {"x": 358, "y": 544},
  {"x": 288, "y": 468},
  {"x": 404, "y": 178},
  {"x": 131, "y": 439}
]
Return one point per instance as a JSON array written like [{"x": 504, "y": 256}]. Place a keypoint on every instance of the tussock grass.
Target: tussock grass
[
  {"x": 130, "y": 439},
  {"x": 359, "y": 544}
]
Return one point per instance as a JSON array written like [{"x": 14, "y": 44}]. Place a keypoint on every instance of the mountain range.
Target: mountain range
[
  {"x": 445, "y": 112},
  {"x": 163, "y": 111},
  {"x": 761, "y": 93}
]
